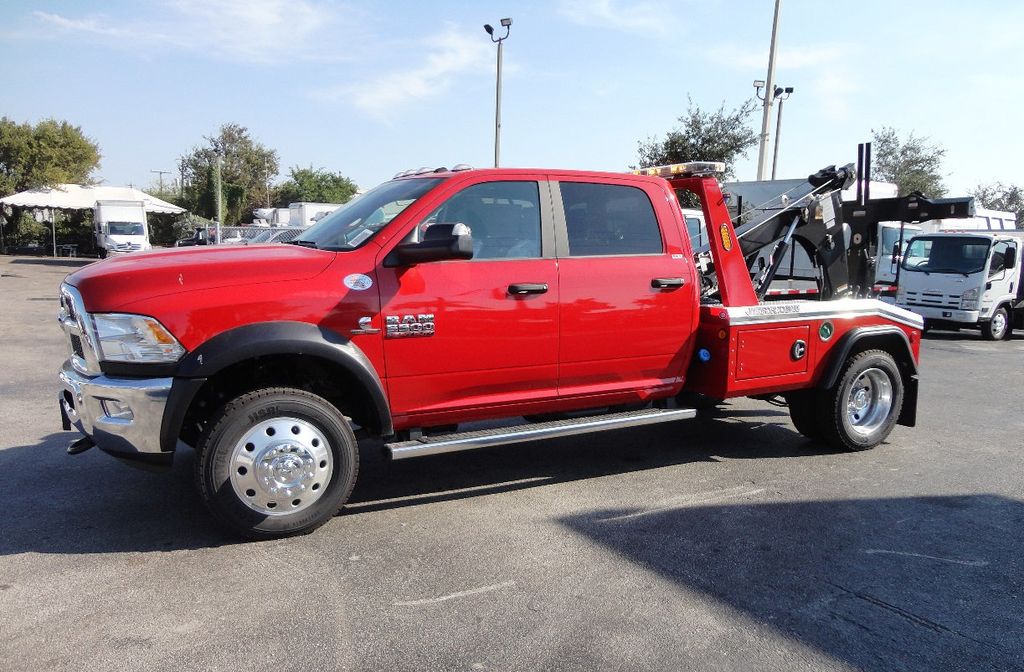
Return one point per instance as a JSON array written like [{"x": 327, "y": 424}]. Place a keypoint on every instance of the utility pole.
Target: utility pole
[
  {"x": 507, "y": 25},
  {"x": 769, "y": 90},
  {"x": 266, "y": 171},
  {"x": 161, "y": 174},
  {"x": 220, "y": 199},
  {"x": 181, "y": 170}
]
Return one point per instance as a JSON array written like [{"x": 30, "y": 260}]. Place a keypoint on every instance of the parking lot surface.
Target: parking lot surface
[{"x": 727, "y": 543}]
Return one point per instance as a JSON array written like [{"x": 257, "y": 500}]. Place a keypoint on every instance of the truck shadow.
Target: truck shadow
[
  {"x": 54, "y": 503},
  {"x": 916, "y": 583},
  {"x": 966, "y": 335},
  {"x": 90, "y": 504},
  {"x": 62, "y": 262}
]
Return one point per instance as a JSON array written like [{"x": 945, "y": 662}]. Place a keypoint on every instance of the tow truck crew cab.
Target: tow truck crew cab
[{"x": 446, "y": 297}]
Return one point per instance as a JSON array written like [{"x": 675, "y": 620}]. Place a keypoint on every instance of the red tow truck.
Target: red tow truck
[{"x": 571, "y": 300}]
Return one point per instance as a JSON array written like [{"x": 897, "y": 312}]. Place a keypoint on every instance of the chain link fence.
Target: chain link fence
[{"x": 258, "y": 235}]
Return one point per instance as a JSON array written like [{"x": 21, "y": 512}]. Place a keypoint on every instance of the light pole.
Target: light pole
[
  {"x": 507, "y": 25},
  {"x": 782, "y": 94},
  {"x": 762, "y": 152}
]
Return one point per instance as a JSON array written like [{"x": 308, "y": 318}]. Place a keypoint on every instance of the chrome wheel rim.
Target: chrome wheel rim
[
  {"x": 998, "y": 324},
  {"x": 281, "y": 466},
  {"x": 869, "y": 401}
]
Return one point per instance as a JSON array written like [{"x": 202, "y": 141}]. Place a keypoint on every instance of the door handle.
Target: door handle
[
  {"x": 523, "y": 288},
  {"x": 667, "y": 283}
]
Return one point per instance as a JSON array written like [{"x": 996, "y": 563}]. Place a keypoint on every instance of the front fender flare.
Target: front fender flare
[{"x": 282, "y": 338}]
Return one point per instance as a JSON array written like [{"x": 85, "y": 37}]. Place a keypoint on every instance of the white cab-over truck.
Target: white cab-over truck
[
  {"x": 120, "y": 227},
  {"x": 969, "y": 278}
]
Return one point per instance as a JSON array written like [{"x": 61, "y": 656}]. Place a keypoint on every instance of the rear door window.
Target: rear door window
[{"x": 609, "y": 219}]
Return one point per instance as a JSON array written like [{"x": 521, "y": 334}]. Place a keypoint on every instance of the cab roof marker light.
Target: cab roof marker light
[
  {"x": 423, "y": 170},
  {"x": 461, "y": 166},
  {"x": 688, "y": 169}
]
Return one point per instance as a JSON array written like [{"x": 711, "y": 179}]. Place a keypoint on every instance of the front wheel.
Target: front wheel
[
  {"x": 276, "y": 462},
  {"x": 998, "y": 328},
  {"x": 860, "y": 411}
]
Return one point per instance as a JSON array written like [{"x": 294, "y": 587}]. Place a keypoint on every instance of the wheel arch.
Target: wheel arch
[
  {"x": 889, "y": 338},
  {"x": 296, "y": 354}
]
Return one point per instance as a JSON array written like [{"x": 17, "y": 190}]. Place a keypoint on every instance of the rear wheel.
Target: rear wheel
[
  {"x": 804, "y": 411},
  {"x": 860, "y": 411},
  {"x": 998, "y": 327},
  {"x": 276, "y": 462}
]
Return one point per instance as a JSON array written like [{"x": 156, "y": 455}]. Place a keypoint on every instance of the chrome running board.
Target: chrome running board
[{"x": 485, "y": 438}]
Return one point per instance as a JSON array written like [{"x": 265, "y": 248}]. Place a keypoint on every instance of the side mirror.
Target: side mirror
[
  {"x": 1010, "y": 259},
  {"x": 440, "y": 242}
]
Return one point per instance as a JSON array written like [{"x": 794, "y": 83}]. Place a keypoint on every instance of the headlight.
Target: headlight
[
  {"x": 969, "y": 299},
  {"x": 135, "y": 338}
]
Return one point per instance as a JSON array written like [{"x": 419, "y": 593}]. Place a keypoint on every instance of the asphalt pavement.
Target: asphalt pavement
[{"x": 728, "y": 543}]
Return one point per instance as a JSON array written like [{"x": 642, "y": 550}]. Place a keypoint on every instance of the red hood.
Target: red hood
[{"x": 117, "y": 281}]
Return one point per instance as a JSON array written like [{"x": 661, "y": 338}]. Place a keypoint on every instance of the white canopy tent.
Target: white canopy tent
[{"x": 78, "y": 197}]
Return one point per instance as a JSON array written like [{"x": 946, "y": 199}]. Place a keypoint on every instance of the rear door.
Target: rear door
[
  {"x": 478, "y": 333},
  {"x": 627, "y": 288}
]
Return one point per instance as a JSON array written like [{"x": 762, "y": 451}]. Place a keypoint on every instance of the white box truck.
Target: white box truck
[
  {"x": 307, "y": 214},
  {"x": 120, "y": 227},
  {"x": 965, "y": 278},
  {"x": 984, "y": 219}
]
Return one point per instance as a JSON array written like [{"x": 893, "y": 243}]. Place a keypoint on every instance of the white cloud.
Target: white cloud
[
  {"x": 819, "y": 70},
  {"x": 448, "y": 55},
  {"x": 645, "y": 17},
  {"x": 788, "y": 58},
  {"x": 250, "y": 31}
]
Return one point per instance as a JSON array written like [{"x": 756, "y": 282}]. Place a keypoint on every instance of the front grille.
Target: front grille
[{"x": 932, "y": 299}]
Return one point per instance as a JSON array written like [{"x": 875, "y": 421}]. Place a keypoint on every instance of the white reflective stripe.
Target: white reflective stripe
[{"x": 789, "y": 311}]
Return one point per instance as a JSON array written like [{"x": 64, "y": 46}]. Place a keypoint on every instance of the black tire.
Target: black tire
[
  {"x": 253, "y": 430},
  {"x": 999, "y": 327},
  {"x": 103, "y": 253},
  {"x": 874, "y": 378},
  {"x": 805, "y": 412}
]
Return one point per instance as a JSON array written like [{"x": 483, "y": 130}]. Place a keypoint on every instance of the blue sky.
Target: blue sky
[{"x": 369, "y": 89}]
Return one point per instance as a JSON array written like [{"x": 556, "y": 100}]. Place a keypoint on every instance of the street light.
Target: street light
[
  {"x": 507, "y": 25},
  {"x": 781, "y": 94}
]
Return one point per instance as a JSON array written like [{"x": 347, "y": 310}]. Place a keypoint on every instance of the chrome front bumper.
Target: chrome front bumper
[{"x": 122, "y": 416}]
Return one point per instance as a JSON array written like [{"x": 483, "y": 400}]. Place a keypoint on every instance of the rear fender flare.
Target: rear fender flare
[{"x": 893, "y": 340}]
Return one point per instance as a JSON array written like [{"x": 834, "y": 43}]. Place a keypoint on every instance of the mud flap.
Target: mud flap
[{"x": 908, "y": 414}]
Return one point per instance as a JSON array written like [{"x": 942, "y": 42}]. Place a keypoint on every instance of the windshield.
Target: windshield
[
  {"x": 358, "y": 220},
  {"x": 946, "y": 254},
  {"x": 124, "y": 228}
]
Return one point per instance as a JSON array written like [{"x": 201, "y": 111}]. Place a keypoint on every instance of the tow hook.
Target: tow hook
[{"x": 80, "y": 446}]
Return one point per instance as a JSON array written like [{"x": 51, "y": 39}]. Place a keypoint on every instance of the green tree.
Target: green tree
[
  {"x": 315, "y": 185},
  {"x": 999, "y": 196},
  {"x": 704, "y": 136},
  {"x": 912, "y": 164},
  {"x": 48, "y": 153},
  {"x": 246, "y": 170}
]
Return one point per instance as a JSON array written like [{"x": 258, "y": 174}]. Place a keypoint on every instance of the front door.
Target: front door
[{"x": 478, "y": 333}]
